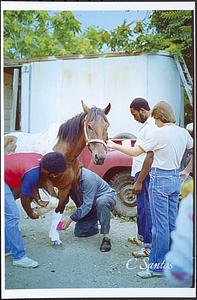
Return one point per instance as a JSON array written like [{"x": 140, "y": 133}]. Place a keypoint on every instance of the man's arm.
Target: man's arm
[
  {"x": 29, "y": 183},
  {"x": 131, "y": 151},
  {"x": 144, "y": 172},
  {"x": 25, "y": 201},
  {"x": 88, "y": 190}
]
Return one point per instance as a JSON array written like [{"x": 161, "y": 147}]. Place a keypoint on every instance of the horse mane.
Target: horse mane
[{"x": 69, "y": 130}]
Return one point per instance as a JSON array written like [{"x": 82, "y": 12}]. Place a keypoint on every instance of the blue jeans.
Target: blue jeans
[
  {"x": 13, "y": 236},
  {"x": 144, "y": 222},
  {"x": 88, "y": 225},
  {"x": 164, "y": 190}
]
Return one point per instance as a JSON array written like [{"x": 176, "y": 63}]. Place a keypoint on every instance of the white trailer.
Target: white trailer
[{"x": 51, "y": 90}]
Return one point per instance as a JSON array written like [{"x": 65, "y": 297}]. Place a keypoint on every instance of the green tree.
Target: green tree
[
  {"x": 176, "y": 30},
  {"x": 120, "y": 38},
  {"x": 30, "y": 34},
  {"x": 96, "y": 38},
  {"x": 25, "y": 32},
  {"x": 164, "y": 30},
  {"x": 65, "y": 31},
  {"x": 176, "y": 27}
]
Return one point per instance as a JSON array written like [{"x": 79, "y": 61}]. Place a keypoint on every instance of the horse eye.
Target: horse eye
[{"x": 89, "y": 127}]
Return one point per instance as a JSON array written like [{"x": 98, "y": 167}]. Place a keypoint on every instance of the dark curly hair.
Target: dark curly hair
[{"x": 53, "y": 162}]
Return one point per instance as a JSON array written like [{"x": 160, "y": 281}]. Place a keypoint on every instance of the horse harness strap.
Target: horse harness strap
[{"x": 88, "y": 141}]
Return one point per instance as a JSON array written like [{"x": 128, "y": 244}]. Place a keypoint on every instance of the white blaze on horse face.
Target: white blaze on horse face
[{"x": 97, "y": 130}]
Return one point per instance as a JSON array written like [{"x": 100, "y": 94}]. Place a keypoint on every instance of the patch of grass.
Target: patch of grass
[
  {"x": 71, "y": 208},
  {"x": 124, "y": 218}
]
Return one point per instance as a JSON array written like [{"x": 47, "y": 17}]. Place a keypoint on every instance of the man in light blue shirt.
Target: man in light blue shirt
[{"x": 94, "y": 199}]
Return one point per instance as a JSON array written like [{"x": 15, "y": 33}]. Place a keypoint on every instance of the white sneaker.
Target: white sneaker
[
  {"x": 149, "y": 274},
  {"x": 25, "y": 262},
  {"x": 143, "y": 252}
]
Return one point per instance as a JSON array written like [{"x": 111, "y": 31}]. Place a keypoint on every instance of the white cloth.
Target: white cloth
[
  {"x": 144, "y": 132},
  {"x": 169, "y": 144},
  {"x": 180, "y": 256},
  {"x": 54, "y": 233}
]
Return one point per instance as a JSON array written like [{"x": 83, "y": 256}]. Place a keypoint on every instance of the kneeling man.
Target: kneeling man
[{"x": 94, "y": 199}]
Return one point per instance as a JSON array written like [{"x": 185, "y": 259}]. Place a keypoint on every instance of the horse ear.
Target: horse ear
[
  {"x": 85, "y": 107},
  {"x": 107, "y": 109}
]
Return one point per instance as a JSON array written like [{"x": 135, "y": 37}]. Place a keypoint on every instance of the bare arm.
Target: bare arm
[
  {"x": 36, "y": 196},
  {"x": 131, "y": 151},
  {"x": 144, "y": 172},
  {"x": 25, "y": 201}
]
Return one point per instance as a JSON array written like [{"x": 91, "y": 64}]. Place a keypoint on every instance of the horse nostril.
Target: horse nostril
[{"x": 99, "y": 160}]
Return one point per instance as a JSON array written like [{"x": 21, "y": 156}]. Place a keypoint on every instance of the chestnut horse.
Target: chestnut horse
[{"x": 87, "y": 128}]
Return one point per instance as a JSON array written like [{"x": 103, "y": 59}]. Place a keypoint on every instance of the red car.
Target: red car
[{"x": 116, "y": 170}]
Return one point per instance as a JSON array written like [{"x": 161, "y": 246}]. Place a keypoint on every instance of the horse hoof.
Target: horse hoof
[{"x": 57, "y": 242}]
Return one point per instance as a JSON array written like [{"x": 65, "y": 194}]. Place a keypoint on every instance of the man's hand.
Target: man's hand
[
  {"x": 111, "y": 144},
  {"x": 42, "y": 203},
  {"x": 67, "y": 223},
  {"x": 25, "y": 201},
  {"x": 137, "y": 188}
]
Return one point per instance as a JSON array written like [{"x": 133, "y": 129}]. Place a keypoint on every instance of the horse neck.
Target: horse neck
[{"x": 76, "y": 147}]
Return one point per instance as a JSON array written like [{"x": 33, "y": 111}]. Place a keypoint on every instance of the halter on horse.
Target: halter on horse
[{"x": 87, "y": 128}]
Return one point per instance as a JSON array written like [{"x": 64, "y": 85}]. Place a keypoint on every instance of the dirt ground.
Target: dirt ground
[{"x": 77, "y": 263}]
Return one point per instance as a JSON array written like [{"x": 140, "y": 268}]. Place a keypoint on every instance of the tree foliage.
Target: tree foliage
[
  {"x": 176, "y": 26},
  {"x": 120, "y": 37},
  {"x": 37, "y": 33}
]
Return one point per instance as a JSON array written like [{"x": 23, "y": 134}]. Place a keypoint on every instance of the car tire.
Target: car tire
[
  {"x": 122, "y": 182},
  {"x": 124, "y": 135}
]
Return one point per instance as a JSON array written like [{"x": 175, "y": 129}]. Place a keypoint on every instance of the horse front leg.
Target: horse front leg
[
  {"x": 57, "y": 216},
  {"x": 48, "y": 186}
]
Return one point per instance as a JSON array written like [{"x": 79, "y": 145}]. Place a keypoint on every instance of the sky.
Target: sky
[{"x": 109, "y": 20}]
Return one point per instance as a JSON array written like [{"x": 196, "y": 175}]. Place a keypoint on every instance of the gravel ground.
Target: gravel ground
[{"x": 77, "y": 263}]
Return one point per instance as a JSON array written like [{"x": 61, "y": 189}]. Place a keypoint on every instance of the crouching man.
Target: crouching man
[
  {"x": 22, "y": 173},
  {"x": 94, "y": 199}
]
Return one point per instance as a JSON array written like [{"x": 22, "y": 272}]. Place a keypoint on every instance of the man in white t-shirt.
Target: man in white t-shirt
[{"x": 140, "y": 110}]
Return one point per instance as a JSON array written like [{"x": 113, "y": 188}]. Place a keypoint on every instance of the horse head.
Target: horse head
[{"x": 95, "y": 131}]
